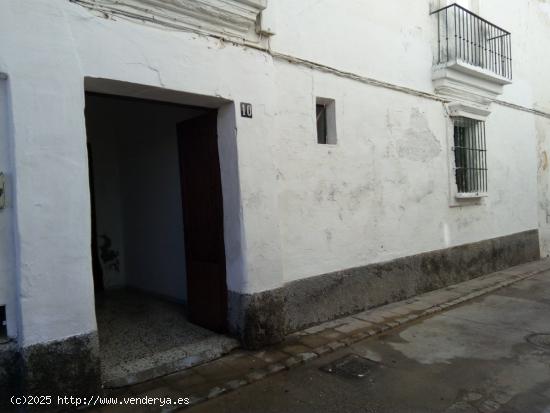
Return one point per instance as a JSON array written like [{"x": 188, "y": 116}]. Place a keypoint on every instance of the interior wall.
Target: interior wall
[
  {"x": 137, "y": 193},
  {"x": 103, "y": 138}
]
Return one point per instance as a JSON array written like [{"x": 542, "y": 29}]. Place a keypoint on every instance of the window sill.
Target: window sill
[
  {"x": 470, "y": 195},
  {"x": 467, "y": 199}
]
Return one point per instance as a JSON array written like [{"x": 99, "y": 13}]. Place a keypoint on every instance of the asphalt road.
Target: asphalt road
[{"x": 488, "y": 355}]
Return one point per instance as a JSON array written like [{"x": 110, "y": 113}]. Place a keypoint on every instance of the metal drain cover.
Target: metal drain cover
[
  {"x": 540, "y": 340},
  {"x": 352, "y": 365}
]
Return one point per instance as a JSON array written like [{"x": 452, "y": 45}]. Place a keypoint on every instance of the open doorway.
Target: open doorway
[{"x": 157, "y": 235}]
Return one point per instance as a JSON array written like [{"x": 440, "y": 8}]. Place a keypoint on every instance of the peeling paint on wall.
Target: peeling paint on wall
[
  {"x": 419, "y": 144},
  {"x": 542, "y": 126}
]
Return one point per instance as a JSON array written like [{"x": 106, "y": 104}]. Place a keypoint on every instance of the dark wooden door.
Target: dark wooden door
[{"x": 203, "y": 221}]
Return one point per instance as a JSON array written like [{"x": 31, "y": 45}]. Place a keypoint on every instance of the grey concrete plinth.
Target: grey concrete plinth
[
  {"x": 325, "y": 297},
  {"x": 10, "y": 373},
  {"x": 63, "y": 367}
]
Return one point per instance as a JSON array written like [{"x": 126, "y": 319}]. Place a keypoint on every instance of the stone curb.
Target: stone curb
[{"x": 355, "y": 328}]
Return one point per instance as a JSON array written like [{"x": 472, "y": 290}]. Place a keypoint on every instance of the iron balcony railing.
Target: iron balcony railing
[{"x": 463, "y": 36}]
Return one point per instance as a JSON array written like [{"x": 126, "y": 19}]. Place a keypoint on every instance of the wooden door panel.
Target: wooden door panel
[
  {"x": 203, "y": 221},
  {"x": 205, "y": 301}
]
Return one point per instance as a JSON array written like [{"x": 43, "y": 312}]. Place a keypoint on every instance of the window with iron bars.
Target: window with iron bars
[{"x": 470, "y": 156}]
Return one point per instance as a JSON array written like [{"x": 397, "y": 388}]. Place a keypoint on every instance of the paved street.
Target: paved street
[{"x": 486, "y": 355}]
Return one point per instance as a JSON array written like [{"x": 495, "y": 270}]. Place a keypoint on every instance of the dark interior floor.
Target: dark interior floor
[{"x": 142, "y": 336}]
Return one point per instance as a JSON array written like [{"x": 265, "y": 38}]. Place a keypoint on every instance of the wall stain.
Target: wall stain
[
  {"x": 359, "y": 194},
  {"x": 542, "y": 127},
  {"x": 419, "y": 197},
  {"x": 543, "y": 161},
  {"x": 255, "y": 200},
  {"x": 391, "y": 121},
  {"x": 328, "y": 235},
  {"x": 325, "y": 192}
]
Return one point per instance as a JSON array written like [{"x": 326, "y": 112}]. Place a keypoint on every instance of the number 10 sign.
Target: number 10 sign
[{"x": 246, "y": 110}]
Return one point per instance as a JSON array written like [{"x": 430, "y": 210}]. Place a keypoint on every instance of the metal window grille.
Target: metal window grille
[
  {"x": 464, "y": 36},
  {"x": 470, "y": 155},
  {"x": 321, "y": 111}
]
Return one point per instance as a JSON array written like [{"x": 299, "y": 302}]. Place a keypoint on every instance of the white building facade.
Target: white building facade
[{"x": 367, "y": 151}]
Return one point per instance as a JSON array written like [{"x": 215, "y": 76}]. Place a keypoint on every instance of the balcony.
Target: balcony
[
  {"x": 472, "y": 58},
  {"x": 465, "y": 38}
]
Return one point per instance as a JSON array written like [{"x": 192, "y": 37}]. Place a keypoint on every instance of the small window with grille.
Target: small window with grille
[
  {"x": 325, "y": 111},
  {"x": 470, "y": 155},
  {"x": 321, "y": 112}
]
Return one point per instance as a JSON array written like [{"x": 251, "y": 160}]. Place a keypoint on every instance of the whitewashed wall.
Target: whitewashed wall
[
  {"x": 7, "y": 215},
  {"x": 380, "y": 193},
  {"x": 537, "y": 77},
  {"x": 383, "y": 191},
  {"x": 63, "y": 44}
]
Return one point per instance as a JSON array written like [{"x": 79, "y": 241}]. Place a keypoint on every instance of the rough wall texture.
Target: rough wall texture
[
  {"x": 266, "y": 317},
  {"x": 325, "y": 297},
  {"x": 543, "y": 181},
  {"x": 10, "y": 369},
  {"x": 65, "y": 367},
  {"x": 257, "y": 319}
]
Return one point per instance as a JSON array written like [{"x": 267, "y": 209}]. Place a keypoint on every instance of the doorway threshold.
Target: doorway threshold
[{"x": 143, "y": 337}]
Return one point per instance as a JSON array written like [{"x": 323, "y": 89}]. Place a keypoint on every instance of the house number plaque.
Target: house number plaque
[{"x": 246, "y": 110}]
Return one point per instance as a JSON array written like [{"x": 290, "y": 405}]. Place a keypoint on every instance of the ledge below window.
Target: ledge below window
[
  {"x": 465, "y": 200},
  {"x": 471, "y": 195}
]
